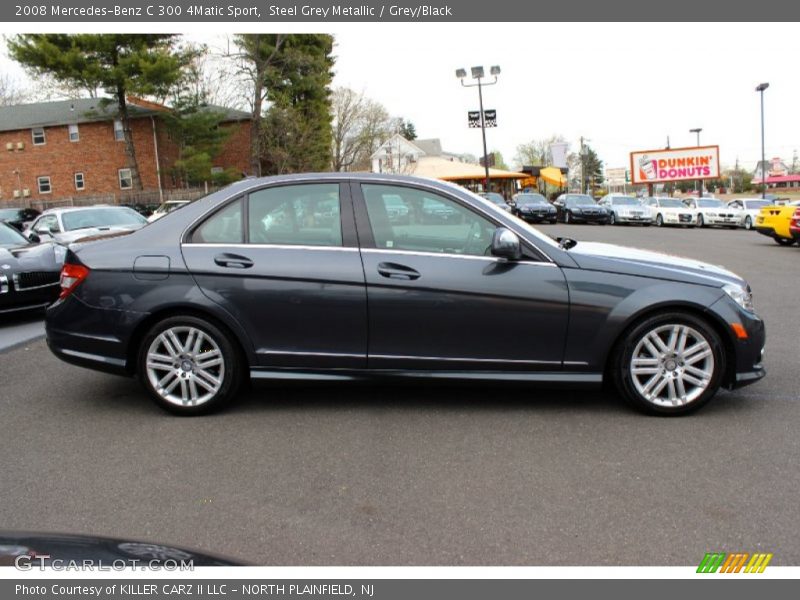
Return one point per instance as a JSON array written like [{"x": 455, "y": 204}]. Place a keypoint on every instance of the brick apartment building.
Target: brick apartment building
[{"x": 75, "y": 148}]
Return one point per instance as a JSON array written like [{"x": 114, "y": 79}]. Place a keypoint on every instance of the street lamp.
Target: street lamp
[
  {"x": 699, "y": 182},
  {"x": 478, "y": 75},
  {"x": 760, "y": 88}
]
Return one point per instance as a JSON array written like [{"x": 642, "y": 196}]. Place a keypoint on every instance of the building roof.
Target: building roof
[
  {"x": 431, "y": 147},
  {"x": 450, "y": 170},
  {"x": 82, "y": 110}
]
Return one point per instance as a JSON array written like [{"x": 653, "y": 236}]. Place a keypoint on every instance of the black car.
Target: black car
[
  {"x": 29, "y": 273},
  {"x": 534, "y": 208},
  {"x": 18, "y": 217},
  {"x": 496, "y": 199},
  {"x": 237, "y": 285},
  {"x": 580, "y": 208}
]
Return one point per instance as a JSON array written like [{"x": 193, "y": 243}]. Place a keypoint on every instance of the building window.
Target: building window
[
  {"x": 119, "y": 132},
  {"x": 44, "y": 184},
  {"x": 80, "y": 184},
  {"x": 38, "y": 136},
  {"x": 125, "y": 179},
  {"x": 74, "y": 135}
]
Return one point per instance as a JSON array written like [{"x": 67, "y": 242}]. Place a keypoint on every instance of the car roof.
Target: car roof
[{"x": 66, "y": 209}]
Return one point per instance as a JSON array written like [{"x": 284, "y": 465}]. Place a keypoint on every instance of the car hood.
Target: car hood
[
  {"x": 35, "y": 257},
  {"x": 635, "y": 261}
]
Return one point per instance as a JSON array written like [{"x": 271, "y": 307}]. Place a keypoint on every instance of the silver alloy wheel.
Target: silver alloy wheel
[
  {"x": 748, "y": 223},
  {"x": 672, "y": 365},
  {"x": 185, "y": 366}
]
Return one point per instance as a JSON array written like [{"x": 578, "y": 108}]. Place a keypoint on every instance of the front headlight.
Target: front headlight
[{"x": 743, "y": 297}]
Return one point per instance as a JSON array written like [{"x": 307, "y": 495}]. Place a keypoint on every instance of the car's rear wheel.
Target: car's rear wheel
[
  {"x": 659, "y": 221},
  {"x": 189, "y": 366},
  {"x": 700, "y": 221},
  {"x": 670, "y": 364},
  {"x": 612, "y": 219}
]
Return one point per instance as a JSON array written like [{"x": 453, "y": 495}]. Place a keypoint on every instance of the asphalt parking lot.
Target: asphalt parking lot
[{"x": 420, "y": 475}]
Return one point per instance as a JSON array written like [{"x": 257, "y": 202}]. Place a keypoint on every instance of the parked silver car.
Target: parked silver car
[
  {"x": 66, "y": 225},
  {"x": 626, "y": 209}
]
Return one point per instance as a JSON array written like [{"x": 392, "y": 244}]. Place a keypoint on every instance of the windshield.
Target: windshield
[
  {"x": 578, "y": 200},
  {"x": 710, "y": 203},
  {"x": 10, "y": 237},
  {"x": 101, "y": 217},
  {"x": 495, "y": 197},
  {"x": 751, "y": 204},
  {"x": 10, "y": 213},
  {"x": 671, "y": 203},
  {"x": 624, "y": 201},
  {"x": 525, "y": 199}
]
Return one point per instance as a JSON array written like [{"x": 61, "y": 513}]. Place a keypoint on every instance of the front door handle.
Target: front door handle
[
  {"x": 395, "y": 271},
  {"x": 233, "y": 261}
]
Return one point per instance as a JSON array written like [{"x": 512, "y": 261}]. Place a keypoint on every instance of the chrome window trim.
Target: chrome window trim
[
  {"x": 269, "y": 246},
  {"x": 494, "y": 259},
  {"x": 336, "y": 178}
]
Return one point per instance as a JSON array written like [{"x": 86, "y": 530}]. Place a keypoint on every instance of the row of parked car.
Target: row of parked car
[
  {"x": 619, "y": 209},
  {"x": 33, "y": 246}
]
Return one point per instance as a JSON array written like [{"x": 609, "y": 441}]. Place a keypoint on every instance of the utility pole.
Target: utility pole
[{"x": 584, "y": 180}]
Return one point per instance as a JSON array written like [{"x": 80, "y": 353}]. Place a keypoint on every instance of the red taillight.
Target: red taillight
[
  {"x": 794, "y": 224},
  {"x": 71, "y": 277}
]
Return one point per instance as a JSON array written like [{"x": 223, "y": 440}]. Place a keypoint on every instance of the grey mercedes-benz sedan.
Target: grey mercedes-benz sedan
[{"x": 313, "y": 276}]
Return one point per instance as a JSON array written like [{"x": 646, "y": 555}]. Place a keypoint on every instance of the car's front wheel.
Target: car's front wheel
[
  {"x": 659, "y": 221},
  {"x": 189, "y": 366},
  {"x": 670, "y": 364},
  {"x": 748, "y": 223},
  {"x": 567, "y": 218},
  {"x": 612, "y": 219},
  {"x": 700, "y": 221},
  {"x": 783, "y": 241}
]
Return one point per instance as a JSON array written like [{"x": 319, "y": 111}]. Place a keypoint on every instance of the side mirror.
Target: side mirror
[
  {"x": 33, "y": 237},
  {"x": 506, "y": 244}
]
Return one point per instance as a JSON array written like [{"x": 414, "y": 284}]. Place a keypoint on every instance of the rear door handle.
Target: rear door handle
[
  {"x": 395, "y": 271},
  {"x": 233, "y": 261}
]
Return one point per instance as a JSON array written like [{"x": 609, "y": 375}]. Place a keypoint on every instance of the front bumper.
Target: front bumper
[
  {"x": 13, "y": 300},
  {"x": 645, "y": 220},
  {"x": 590, "y": 218},
  {"x": 748, "y": 352},
  {"x": 679, "y": 219},
  {"x": 727, "y": 221},
  {"x": 536, "y": 217}
]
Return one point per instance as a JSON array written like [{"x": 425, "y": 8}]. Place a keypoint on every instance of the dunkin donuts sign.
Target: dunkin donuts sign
[{"x": 677, "y": 164}]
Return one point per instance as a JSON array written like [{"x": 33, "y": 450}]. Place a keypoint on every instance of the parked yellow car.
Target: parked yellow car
[{"x": 781, "y": 223}]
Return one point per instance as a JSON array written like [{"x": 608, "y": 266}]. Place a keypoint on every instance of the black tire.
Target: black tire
[
  {"x": 748, "y": 223},
  {"x": 783, "y": 241},
  {"x": 659, "y": 221},
  {"x": 553, "y": 221},
  {"x": 612, "y": 219},
  {"x": 714, "y": 363},
  {"x": 700, "y": 221},
  {"x": 187, "y": 366}
]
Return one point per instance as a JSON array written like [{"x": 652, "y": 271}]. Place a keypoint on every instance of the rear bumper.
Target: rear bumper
[{"x": 78, "y": 334}]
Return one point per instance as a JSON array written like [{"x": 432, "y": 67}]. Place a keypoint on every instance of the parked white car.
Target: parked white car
[
  {"x": 671, "y": 211},
  {"x": 749, "y": 207},
  {"x": 711, "y": 211},
  {"x": 166, "y": 207},
  {"x": 626, "y": 209},
  {"x": 66, "y": 225}
]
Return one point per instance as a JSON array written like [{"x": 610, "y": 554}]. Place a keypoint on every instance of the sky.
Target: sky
[{"x": 624, "y": 87}]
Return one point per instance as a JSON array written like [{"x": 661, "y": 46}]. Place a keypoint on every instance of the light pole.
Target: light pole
[
  {"x": 760, "y": 88},
  {"x": 478, "y": 74},
  {"x": 699, "y": 182}
]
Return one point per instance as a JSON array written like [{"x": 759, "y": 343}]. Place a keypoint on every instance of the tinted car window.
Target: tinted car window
[
  {"x": 223, "y": 227},
  {"x": 537, "y": 199},
  {"x": 434, "y": 224},
  {"x": 301, "y": 215}
]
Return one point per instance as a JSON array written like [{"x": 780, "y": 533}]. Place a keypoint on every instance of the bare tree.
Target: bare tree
[
  {"x": 360, "y": 126},
  {"x": 536, "y": 152},
  {"x": 11, "y": 93},
  {"x": 254, "y": 55}
]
